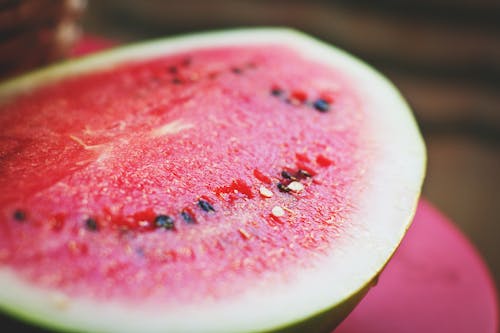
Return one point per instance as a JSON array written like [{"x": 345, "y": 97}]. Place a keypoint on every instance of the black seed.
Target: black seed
[
  {"x": 140, "y": 251},
  {"x": 321, "y": 105},
  {"x": 176, "y": 80},
  {"x": 187, "y": 216},
  {"x": 303, "y": 173},
  {"x": 91, "y": 224},
  {"x": 276, "y": 92},
  {"x": 173, "y": 69},
  {"x": 19, "y": 215},
  {"x": 236, "y": 70},
  {"x": 286, "y": 174},
  {"x": 186, "y": 62},
  {"x": 205, "y": 205},
  {"x": 164, "y": 221},
  {"x": 283, "y": 188}
]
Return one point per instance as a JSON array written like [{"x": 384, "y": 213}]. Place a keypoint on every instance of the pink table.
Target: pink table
[{"x": 435, "y": 283}]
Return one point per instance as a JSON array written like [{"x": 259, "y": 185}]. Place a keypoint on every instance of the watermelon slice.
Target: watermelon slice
[{"x": 244, "y": 181}]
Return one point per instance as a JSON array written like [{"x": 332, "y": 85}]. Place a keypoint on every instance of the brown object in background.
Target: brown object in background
[{"x": 36, "y": 32}]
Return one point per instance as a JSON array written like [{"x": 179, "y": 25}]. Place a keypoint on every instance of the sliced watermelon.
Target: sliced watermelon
[{"x": 243, "y": 181}]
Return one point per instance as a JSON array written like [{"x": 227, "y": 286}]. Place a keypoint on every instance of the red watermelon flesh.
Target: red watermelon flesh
[
  {"x": 253, "y": 179},
  {"x": 90, "y": 163}
]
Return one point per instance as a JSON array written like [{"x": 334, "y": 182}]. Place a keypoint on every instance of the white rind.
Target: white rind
[{"x": 382, "y": 217}]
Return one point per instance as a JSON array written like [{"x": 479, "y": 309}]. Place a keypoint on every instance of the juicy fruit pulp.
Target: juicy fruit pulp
[
  {"x": 202, "y": 175},
  {"x": 179, "y": 141}
]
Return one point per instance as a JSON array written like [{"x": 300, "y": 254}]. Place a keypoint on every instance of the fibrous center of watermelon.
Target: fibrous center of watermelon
[{"x": 180, "y": 177}]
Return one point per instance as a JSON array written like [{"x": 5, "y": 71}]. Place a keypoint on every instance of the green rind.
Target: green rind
[
  {"x": 327, "y": 320},
  {"x": 323, "y": 322}
]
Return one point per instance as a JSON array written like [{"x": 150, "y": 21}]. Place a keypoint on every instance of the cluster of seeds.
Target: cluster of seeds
[
  {"x": 179, "y": 74},
  {"x": 300, "y": 98},
  {"x": 242, "y": 69},
  {"x": 290, "y": 182},
  {"x": 167, "y": 222},
  {"x": 174, "y": 70},
  {"x": 160, "y": 221}
]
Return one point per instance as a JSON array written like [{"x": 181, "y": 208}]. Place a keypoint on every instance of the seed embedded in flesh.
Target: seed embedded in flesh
[
  {"x": 188, "y": 218},
  {"x": 165, "y": 222},
  {"x": 91, "y": 224},
  {"x": 265, "y": 192},
  {"x": 276, "y": 92},
  {"x": 19, "y": 215},
  {"x": 295, "y": 186},
  {"x": 285, "y": 174},
  {"x": 206, "y": 206},
  {"x": 321, "y": 105},
  {"x": 236, "y": 70},
  {"x": 303, "y": 174},
  {"x": 282, "y": 187},
  {"x": 278, "y": 211},
  {"x": 244, "y": 234}
]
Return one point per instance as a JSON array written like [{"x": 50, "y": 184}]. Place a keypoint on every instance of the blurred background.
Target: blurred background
[{"x": 444, "y": 55}]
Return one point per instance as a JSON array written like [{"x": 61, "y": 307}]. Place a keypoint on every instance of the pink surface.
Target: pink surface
[{"x": 436, "y": 282}]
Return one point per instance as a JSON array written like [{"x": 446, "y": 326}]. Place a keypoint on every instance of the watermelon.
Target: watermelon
[{"x": 243, "y": 181}]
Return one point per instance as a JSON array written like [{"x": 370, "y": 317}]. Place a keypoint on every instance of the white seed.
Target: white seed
[
  {"x": 295, "y": 186},
  {"x": 143, "y": 223},
  {"x": 244, "y": 233},
  {"x": 278, "y": 211},
  {"x": 265, "y": 192}
]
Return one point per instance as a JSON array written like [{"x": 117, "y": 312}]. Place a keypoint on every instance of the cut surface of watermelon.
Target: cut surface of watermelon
[{"x": 249, "y": 179}]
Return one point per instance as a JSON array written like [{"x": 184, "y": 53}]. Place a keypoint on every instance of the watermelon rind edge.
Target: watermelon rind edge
[{"x": 150, "y": 49}]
